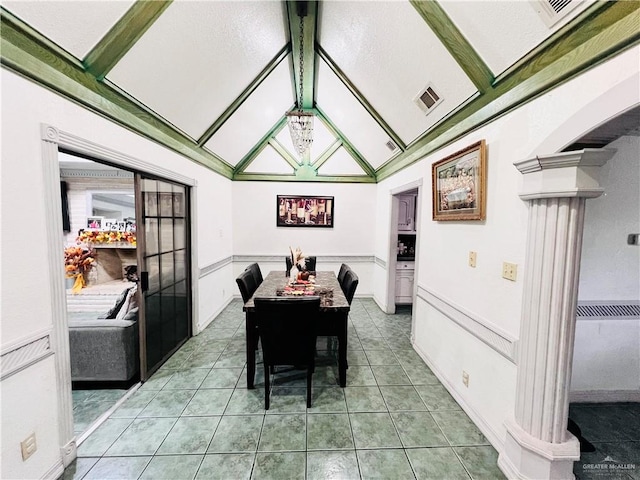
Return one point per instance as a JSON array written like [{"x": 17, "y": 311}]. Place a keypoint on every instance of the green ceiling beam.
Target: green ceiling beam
[
  {"x": 123, "y": 35},
  {"x": 308, "y": 55},
  {"x": 346, "y": 143},
  {"x": 258, "y": 177},
  {"x": 31, "y": 55},
  {"x": 255, "y": 83},
  {"x": 258, "y": 147},
  {"x": 284, "y": 153},
  {"x": 361, "y": 98},
  {"x": 327, "y": 153},
  {"x": 608, "y": 30},
  {"x": 457, "y": 45}
]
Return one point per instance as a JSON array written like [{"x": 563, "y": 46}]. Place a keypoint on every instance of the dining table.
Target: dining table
[{"x": 331, "y": 320}]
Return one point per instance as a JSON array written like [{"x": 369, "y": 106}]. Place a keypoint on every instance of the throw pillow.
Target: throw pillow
[
  {"x": 113, "y": 311},
  {"x": 130, "y": 303}
]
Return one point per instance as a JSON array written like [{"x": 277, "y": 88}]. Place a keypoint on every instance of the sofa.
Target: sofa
[{"x": 104, "y": 346}]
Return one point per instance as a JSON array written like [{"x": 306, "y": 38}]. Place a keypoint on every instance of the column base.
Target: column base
[{"x": 528, "y": 458}]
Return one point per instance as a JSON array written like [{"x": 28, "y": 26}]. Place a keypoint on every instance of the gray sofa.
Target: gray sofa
[{"x": 104, "y": 349}]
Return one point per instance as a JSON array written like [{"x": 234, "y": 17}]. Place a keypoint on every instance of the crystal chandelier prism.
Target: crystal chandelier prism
[{"x": 300, "y": 121}]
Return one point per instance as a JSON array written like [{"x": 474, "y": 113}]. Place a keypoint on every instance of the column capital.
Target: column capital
[{"x": 565, "y": 174}]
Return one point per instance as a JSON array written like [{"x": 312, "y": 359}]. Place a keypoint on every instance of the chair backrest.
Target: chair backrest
[
  {"x": 286, "y": 327},
  {"x": 247, "y": 285},
  {"x": 350, "y": 284},
  {"x": 310, "y": 264},
  {"x": 257, "y": 274},
  {"x": 343, "y": 270}
]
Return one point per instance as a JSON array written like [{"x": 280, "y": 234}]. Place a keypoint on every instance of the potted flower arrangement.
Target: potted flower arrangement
[{"x": 78, "y": 261}]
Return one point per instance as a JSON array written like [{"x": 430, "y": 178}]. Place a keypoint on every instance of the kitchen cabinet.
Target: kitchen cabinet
[
  {"x": 407, "y": 213},
  {"x": 404, "y": 282}
]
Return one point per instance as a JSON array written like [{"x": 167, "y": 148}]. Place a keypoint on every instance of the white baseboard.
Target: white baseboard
[
  {"x": 604, "y": 396},
  {"x": 485, "y": 428},
  {"x": 212, "y": 317},
  {"x": 56, "y": 471}
]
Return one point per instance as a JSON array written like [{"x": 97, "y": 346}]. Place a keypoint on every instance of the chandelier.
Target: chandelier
[{"x": 301, "y": 122}]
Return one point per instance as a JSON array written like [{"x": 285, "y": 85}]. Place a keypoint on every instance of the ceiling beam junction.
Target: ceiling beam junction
[
  {"x": 123, "y": 35},
  {"x": 345, "y": 143},
  {"x": 259, "y": 146}
]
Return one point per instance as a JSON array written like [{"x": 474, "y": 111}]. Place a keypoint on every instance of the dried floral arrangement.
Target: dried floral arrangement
[
  {"x": 78, "y": 261},
  {"x": 92, "y": 236}
]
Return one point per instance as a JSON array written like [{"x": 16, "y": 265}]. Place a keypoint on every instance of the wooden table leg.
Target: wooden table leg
[
  {"x": 252, "y": 341},
  {"x": 342, "y": 352}
]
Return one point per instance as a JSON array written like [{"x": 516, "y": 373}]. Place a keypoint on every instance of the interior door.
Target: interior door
[{"x": 164, "y": 260}]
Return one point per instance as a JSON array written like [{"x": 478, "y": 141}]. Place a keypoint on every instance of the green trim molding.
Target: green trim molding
[{"x": 600, "y": 32}]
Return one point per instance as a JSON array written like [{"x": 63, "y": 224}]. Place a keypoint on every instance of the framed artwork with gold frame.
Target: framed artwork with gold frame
[{"x": 459, "y": 184}]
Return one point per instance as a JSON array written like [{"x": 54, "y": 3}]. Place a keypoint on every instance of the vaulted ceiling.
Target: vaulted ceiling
[{"x": 388, "y": 82}]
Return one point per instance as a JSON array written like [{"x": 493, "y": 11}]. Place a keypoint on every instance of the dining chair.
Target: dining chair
[
  {"x": 247, "y": 285},
  {"x": 349, "y": 285},
  {"x": 257, "y": 274},
  {"x": 310, "y": 264},
  {"x": 343, "y": 270},
  {"x": 286, "y": 326}
]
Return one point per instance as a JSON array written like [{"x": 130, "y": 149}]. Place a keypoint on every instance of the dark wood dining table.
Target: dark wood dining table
[{"x": 332, "y": 320}]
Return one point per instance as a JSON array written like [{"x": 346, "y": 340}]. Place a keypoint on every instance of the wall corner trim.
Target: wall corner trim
[{"x": 491, "y": 335}]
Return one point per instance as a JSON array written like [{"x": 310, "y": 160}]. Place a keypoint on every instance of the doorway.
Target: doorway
[
  {"x": 117, "y": 335},
  {"x": 403, "y": 247}
]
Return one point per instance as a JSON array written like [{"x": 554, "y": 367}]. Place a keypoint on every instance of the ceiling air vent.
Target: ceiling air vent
[
  {"x": 428, "y": 99},
  {"x": 551, "y": 11},
  {"x": 391, "y": 146}
]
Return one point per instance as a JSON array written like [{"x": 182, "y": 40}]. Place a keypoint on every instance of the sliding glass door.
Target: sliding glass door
[{"x": 164, "y": 257}]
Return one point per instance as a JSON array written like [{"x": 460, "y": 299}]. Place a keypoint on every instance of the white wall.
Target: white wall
[
  {"x": 606, "y": 362},
  {"x": 487, "y": 305},
  {"x": 610, "y": 269},
  {"x": 255, "y": 233},
  {"x": 28, "y": 397}
]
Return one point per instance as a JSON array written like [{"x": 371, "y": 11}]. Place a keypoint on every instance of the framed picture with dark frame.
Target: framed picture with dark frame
[
  {"x": 459, "y": 184},
  {"x": 304, "y": 211}
]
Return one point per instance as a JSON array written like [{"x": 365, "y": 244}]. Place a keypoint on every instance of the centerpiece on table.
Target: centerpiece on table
[
  {"x": 299, "y": 272},
  {"x": 78, "y": 261}
]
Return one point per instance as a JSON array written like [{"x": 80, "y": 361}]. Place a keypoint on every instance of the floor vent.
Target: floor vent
[
  {"x": 551, "y": 11},
  {"x": 427, "y": 99},
  {"x": 607, "y": 309}
]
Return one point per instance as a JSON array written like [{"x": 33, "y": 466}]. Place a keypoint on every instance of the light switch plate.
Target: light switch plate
[
  {"x": 509, "y": 271},
  {"x": 472, "y": 259}
]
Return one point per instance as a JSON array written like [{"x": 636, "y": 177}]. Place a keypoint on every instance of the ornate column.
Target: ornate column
[{"x": 538, "y": 445}]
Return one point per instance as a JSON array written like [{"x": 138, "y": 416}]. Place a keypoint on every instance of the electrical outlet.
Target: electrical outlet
[
  {"x": 472, "y": 259},
  {"x": 465, "y": 378},
  {"x": 28, "y": 446},
  {"x": 509, "y": 271}
]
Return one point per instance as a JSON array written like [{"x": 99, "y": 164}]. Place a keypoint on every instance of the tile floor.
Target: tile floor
[
  {"x": 89, "y": 405},
  {"x": 614, "y": 430},
  {"x": 195, "y": 417}
]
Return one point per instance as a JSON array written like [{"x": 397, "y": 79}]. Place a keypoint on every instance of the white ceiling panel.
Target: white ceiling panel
[
  {"x": 341, "y": 163},
  {"x": 397, "y": 56},
  {"x": 344, "y": 110},
  {"x": 322, "y": 139},
  {"x": 199, "y": 56},
  {"x": 76, "y": 26},
  {"x": 269, "y": 161},
  {"x": 508, "y": 30},
  {"x": 256, "y": 116}
]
